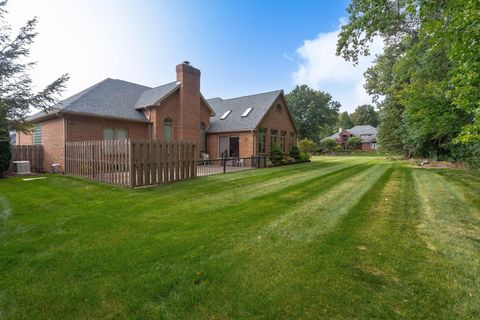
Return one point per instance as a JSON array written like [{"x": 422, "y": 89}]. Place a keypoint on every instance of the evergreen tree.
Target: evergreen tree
[{"x": 17, "y": 97}]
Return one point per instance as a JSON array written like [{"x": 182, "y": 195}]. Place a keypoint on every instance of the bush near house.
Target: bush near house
[
  {"x": 307, "y": 146},
  {"x": 294, "y": 152},
  {"x": 328, "y": 144},
  {"x": 353, "y": 143},
  {"x": 276, "y": 154}
]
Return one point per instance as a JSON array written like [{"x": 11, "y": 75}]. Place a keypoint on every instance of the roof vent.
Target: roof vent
[
  {"x": 225, "y": 114},
  {"x": 186, "y": 62},
  {"x": 246, "y": 112}
]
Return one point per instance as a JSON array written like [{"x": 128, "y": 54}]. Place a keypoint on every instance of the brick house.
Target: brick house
[
  {"x": 176, "y": 111},
  {"x": 366, "y": 133}
]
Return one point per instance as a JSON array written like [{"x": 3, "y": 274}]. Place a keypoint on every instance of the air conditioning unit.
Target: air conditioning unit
[{"x": 21, "y": 167}]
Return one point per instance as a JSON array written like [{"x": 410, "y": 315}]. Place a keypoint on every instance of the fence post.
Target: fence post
[
  {"x": 224, "y": 165},
  {"x": 130, "y": 164}
]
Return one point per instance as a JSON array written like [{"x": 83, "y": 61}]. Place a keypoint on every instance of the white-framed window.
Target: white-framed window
[
  {"x": 262, "y": 140},
  {"x": 273, "y": 136},
  {"x": 167, "y": 129},
  {"x": 37, "y": 134},
  {"x": 202, "y": 137},
  {"x": 115, "y": 134}
]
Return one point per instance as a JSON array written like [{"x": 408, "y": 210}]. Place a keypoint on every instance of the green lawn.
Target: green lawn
[{"x": 341, "y": 237}]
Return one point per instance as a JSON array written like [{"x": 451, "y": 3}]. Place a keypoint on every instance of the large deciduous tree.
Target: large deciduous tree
[
  {"x": 428, "y": 75},
  {"x": 365, "y": 114},
  {"x": 315, "y": 112},
  {"x": 17, "y": 97},
  {"x": 344, "y": 121}
]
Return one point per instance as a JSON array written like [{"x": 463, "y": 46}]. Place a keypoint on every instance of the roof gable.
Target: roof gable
[
  {"x": 260, "y": 104},
  {"x": 367, "y": 133},
  {"x": 154, "y": 95},
  {"x": 111, "y": 98}
]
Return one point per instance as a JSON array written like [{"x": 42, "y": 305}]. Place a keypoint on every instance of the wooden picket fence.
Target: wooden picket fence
[
  {"x": 32, "y": 153},
  {"x": 131, "y": 163}
]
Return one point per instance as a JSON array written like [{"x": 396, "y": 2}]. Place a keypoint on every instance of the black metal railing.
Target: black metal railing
[{"x": 225, "y": 165}]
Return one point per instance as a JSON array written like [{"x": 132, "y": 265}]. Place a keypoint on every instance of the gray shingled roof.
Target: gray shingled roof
[
  {"x": 358, "y": 131},
  {"x": 109, "y": 98},
  {"x": 149, "y": 97},
  {"x": 234, "y": 121}
]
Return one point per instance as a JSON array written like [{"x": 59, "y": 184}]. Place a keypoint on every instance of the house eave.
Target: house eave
[{"x": 93, "y": 115}]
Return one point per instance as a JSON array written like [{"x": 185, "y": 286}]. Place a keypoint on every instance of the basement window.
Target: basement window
[
  {"x": 247, "y": 112},
  {"x": 225, "y": 115}
]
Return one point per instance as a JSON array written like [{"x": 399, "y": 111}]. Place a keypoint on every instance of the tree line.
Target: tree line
[
  {"x": 427, "y": 80},
  {"x": 317, "y": 115}
]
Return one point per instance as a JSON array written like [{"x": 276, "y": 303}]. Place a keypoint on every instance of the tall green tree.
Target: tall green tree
[
  {"x": 5, "y": 151},
  {"x": 315, "y": 112},
  {"x": 365, "y": 114},
  {"x": 17, "y": 97},
  {"x": 429, "y": 73},
  {"x": 344, "y": 121}
]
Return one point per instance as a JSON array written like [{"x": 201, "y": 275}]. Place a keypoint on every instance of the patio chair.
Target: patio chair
[{"x": 205, "y": 158}]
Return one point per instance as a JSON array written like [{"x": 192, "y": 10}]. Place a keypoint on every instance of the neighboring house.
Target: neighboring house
[
  {"x": 176, "y": 111},
  {"x": 366, "y": 133}
]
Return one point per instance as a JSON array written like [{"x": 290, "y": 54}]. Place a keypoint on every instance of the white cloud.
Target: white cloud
[
  {"x": 92, "y": 40},
  {"x": 322, "y": 69}
]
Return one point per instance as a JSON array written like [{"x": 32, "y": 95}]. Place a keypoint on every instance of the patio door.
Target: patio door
[
  {"x": 223, "y": 145},
  {"x": 234, "y": 147}
]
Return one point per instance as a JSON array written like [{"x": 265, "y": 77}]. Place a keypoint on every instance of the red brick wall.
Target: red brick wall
[
  {"x": 24, "y": 138},
  {"x": 367, "y": 146},
  {"x": 83, "y": 128},
  {"x": 52, "y": 141},
  {"x": 169, "y": 108},
  {"x": 185, "y": 107},
  {"x": 53, "y": 134},
  {"x": 189, "y": 93},
  {"x": 279, "y": 121}
]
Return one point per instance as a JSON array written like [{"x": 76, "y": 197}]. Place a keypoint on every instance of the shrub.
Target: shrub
[
  {"x": 288, "y": 159},
  {"x": 294, "y": 152},
  {"x": 307, "y": 146},
  {"x": 328, "y": 144},
  {"x": 353, "y": 143},
  {"x": 276, "y": 153},
  {"x": 5, "y": 151},
  {"x": 305, "y": 156},
  {"x": 337, "y": 148}
]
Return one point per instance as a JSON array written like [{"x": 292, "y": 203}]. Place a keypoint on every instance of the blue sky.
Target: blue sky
[{"x": 241, "y": 47}]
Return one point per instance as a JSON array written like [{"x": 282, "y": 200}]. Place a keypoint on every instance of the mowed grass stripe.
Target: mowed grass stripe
[
  {"x": 269, "y": 256},
  {"x": 238, "y": 195},
  {"x": 451, "y": 229},
  {"x": 178, "y": 263}
]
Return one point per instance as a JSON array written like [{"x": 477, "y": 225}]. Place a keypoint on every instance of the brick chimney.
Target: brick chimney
[{"x": 189, "y": 121}]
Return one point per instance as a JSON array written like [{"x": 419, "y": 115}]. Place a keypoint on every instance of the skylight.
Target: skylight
[
  {"x": 225, "y": 114},
  {"x": 247, "y": 112}
]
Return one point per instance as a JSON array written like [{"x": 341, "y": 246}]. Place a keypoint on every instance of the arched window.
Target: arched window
[
  {"x": 202, "y": 137},
  {"x": 167, "y": 129}
]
